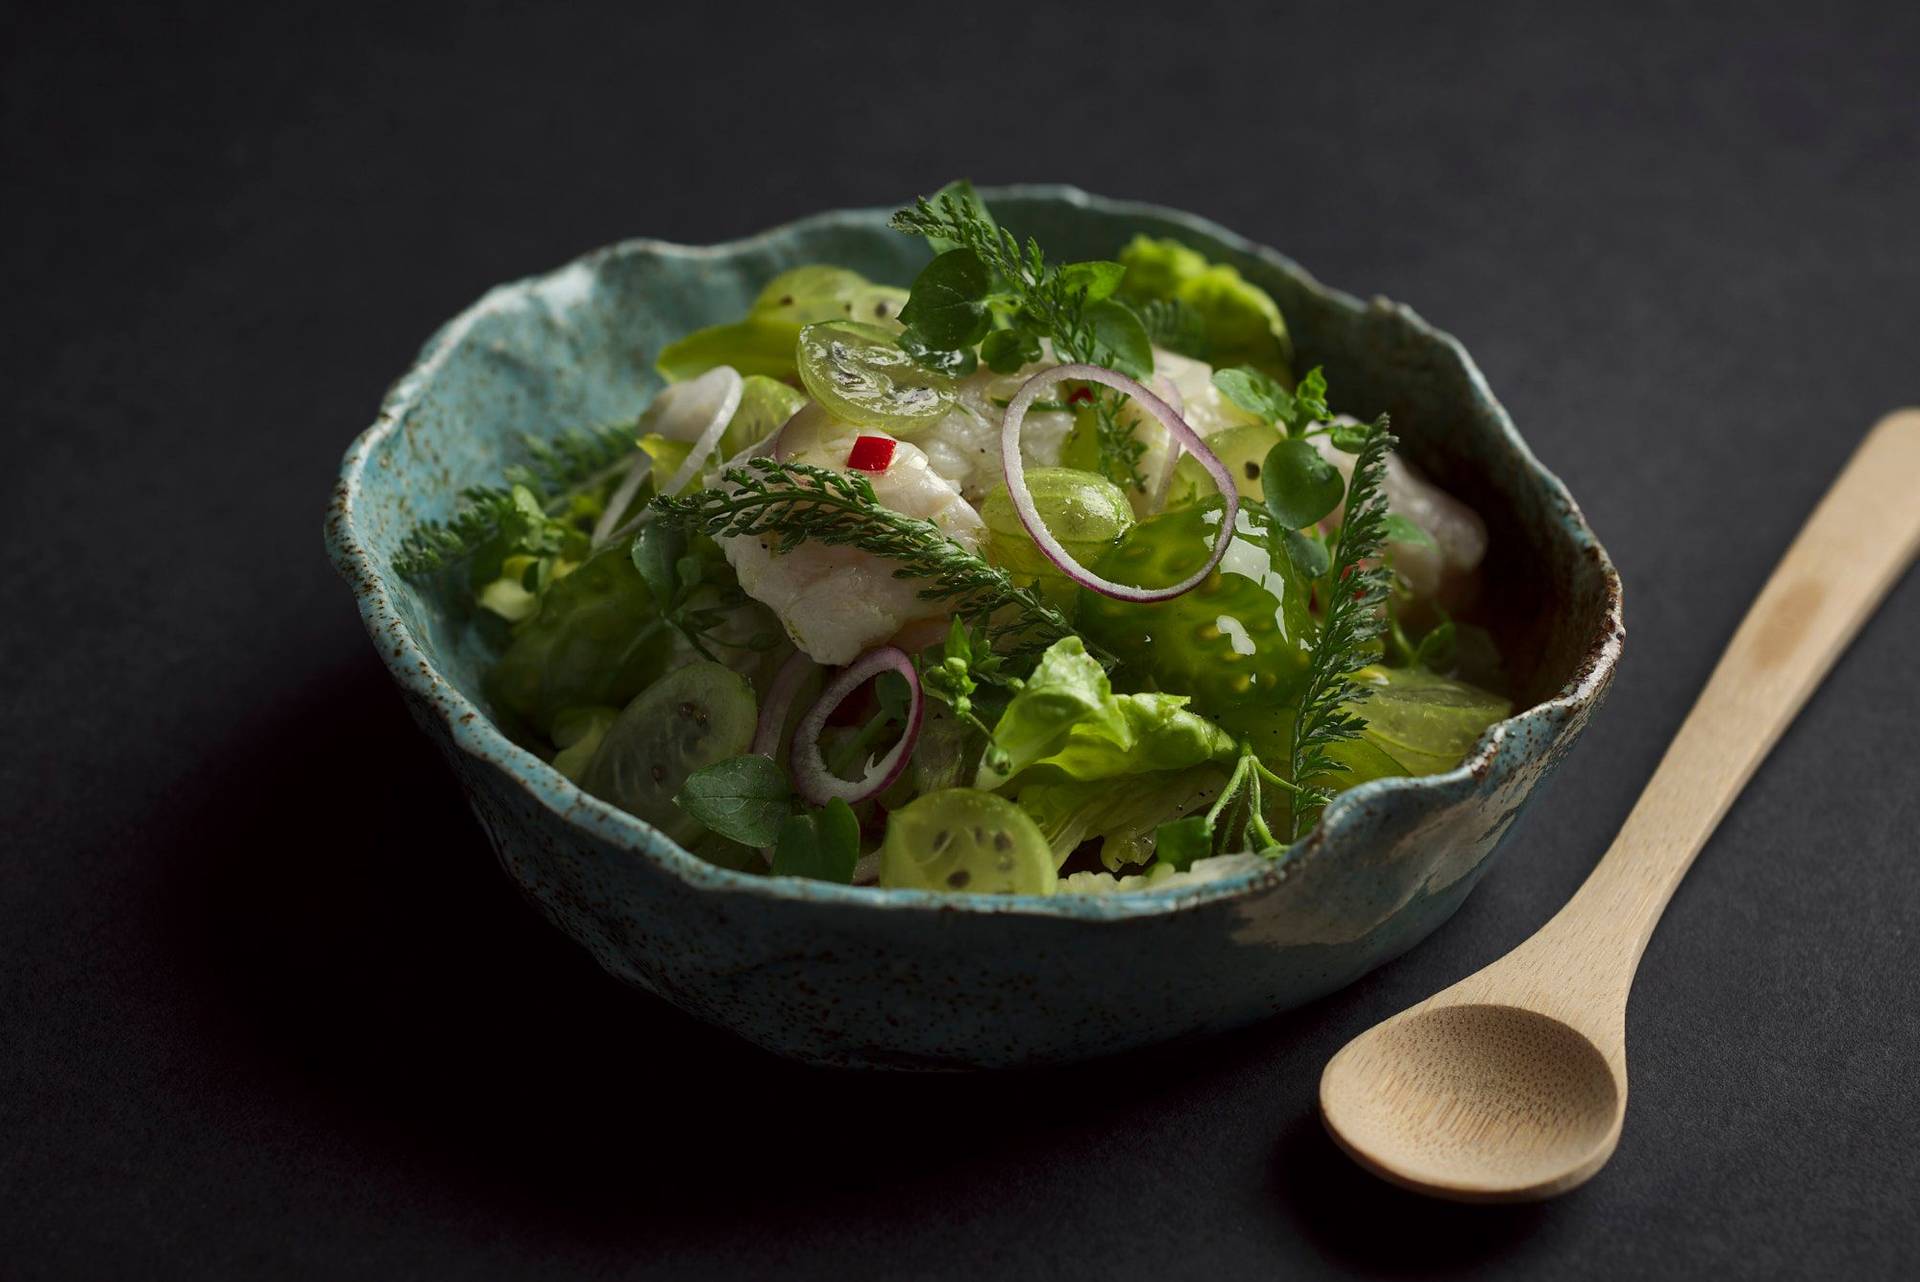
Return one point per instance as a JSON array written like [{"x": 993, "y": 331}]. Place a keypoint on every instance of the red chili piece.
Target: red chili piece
[{"x": 871, "y": 453}]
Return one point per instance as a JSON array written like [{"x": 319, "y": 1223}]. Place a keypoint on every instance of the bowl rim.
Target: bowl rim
[{"x": 473, "y": 732}]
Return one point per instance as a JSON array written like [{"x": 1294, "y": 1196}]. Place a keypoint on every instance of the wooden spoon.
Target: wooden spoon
[{"x": 1511, "y": 1085}]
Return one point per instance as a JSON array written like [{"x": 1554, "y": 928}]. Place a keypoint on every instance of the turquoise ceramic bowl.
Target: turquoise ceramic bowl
[{"x": 898, "y": 979}]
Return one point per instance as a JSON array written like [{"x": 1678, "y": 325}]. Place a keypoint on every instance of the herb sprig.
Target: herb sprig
[
  {"x": 795, "y": 503},
  {"x": 955, "y": 303},
  {"x": 553, "y": 473},
  {"x": 1360, "y": 582}
]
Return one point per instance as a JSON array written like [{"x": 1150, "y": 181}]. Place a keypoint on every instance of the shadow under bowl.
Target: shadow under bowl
[{"x": 866, "y": 977}]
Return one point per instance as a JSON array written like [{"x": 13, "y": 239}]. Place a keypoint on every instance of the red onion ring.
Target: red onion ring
[
  {"x": 818, "y": 785},
  {"x": 1182, "y": 436},
  {"x": 773, "y": 711}
]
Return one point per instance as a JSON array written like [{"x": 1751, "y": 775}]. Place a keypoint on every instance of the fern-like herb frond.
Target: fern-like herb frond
[
  {"x": 1354, "y": 618},
  {"x": 552, "y": 471},
  {"x": 795, "y": 503},
  {"x": 1177, "y": 327}
]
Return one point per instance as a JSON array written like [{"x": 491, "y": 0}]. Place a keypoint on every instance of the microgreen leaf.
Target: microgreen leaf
[
  {"x": 1006, "y": 350},
  {"x": 745, "y": 798},
  {"x": 491, "y": 522},
  {"x": 657, "y": 551},
  {"x": 967, "y": 202},
  {"x": 947, "y": 310},
  {"x": 1101, "y": 331},
  {"x": 1438, "y": 649},
  {"x": 1121, "y": 340},
  {"x": 1348, "y": 438},
  {"x": 1352, "y": 621},
  {"x": 1261, "y": 396},
  {"x": 1255, "y": 392},
  {"x": 1098, "y": 279},
  {"x": 1308, "y": 554},
  {"x": 1310, "y": 401},
  {"x": 1400, "y": 530},
  {"x": 823, "y": 844},
  {"x": 1300, "y": 487},
  {"x": 1182, "y": 841}
]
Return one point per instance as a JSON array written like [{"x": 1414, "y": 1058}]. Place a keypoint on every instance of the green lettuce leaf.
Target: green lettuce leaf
[
  {"x": 1067, "y": 693},
  {"x": 762, "y": 342},
  {"x": 1123, "y": 813},
  {"x": 1161, "y": 735},
  {"x": 1067, "y": 723}
]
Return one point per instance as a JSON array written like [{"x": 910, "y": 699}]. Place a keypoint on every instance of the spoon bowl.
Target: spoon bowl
[{"x": 1488, "y": 1102}]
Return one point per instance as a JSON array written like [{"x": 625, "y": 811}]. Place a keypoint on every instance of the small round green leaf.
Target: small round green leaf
[
  {"x": 745, "y": 798},
  {"x": 1300, "y": 486},
  {"x": 1006, "y": 350},
  {"x": 1181, "y": 841},
  {"x": 1121, "y": 338},
  {"x": 947, "y": 310},
  {"x": 1309, "y": 555}
]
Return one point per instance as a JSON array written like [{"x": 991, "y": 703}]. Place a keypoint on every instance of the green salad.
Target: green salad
[{"x": 1033, "y": 578}]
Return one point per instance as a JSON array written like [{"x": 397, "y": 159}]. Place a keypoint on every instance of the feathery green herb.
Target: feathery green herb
[
  {"x": 1359, "y": 584},
  {"x": 796, "y": 503},
  {"x": 553, "y": 473}
]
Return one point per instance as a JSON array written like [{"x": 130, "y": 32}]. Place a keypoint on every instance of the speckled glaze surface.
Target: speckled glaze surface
[{"x": 895, "y": 979}]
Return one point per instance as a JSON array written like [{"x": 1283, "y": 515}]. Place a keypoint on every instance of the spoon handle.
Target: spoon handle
[{"x": 1850, "y": 552}]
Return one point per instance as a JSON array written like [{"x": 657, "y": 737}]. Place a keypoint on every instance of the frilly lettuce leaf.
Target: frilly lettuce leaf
[
  {"x": 1067, "y": 723},
  {"x": 1068, "y": 693},
  {"x": 1160, "y": 735}
]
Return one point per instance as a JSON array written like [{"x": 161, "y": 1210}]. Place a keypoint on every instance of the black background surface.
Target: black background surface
[{"x": 267, "y": 1006}]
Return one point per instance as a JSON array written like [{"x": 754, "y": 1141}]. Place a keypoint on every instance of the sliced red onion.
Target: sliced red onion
[
  {"x": 603, "y": 529},
  {"x": 1162, "y": 484},
  {"x": 715, "y": 397},
  {"x": 1181, "y": 435},
  {"x": 818, "y": 785},
  {"x": 773, "y": 710}
]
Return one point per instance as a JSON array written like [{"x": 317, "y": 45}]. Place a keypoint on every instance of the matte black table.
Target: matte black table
[{"x": 267, "y": 1007}]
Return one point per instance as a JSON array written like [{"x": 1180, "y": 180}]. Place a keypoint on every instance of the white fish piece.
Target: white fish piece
[
  {"x": 964, "y": 446},
  {"x": 838, "y": 602},
  {"x": 1458, "y": 533},
  {"x": 1204, "y": 407}
]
